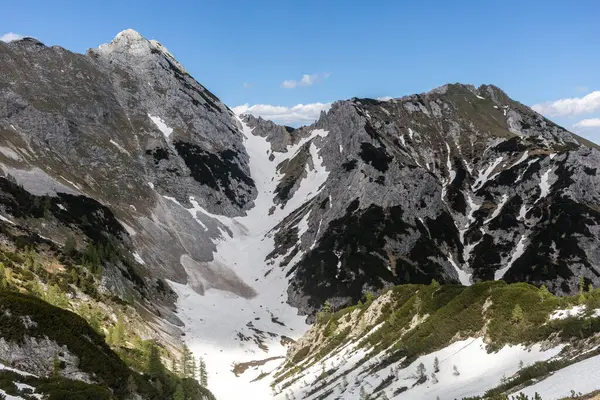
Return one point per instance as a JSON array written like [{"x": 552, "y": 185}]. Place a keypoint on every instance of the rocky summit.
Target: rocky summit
[{"x": 230, "y": 233}]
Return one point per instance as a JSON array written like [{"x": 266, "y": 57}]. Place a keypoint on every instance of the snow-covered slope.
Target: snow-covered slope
[
  {"x": 425, "y": 342},
  {"x": 227, "y": 329},
  {"x": 581, "y": 378},
  {"x": 465, "y": 369}
]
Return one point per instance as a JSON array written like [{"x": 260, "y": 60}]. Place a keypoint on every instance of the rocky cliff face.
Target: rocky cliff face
[
  {"x": 459, "y": 184},
  {"x": 127, "y": 126}
]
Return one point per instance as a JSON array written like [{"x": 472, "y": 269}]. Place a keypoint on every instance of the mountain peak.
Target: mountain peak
[{"x": 131, "y": 42}]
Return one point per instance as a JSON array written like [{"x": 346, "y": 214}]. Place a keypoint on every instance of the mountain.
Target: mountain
[
  {"x": 458, "y": 184},
  {"x": 128, "y": 184}
]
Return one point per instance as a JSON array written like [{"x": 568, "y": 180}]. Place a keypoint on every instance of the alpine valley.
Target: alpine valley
[{"x": 154, "y": 245}]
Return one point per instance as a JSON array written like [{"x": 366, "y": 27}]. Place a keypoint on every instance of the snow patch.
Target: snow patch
[
  {"x": 138, "y": 258},
  {"x": 3, "y": 218},
  {"x": 544, "y": 184},
  {"x": 161, "y": 125},
  {"x": 484, "y": 175},
  {"x": 463, "y": 277},
  {"x": 498, "y": 208},
  {"x": 575, "y": 311},
  {"x": 519, "y": 250},
  {"x": 121, "y": 148},
  {"x": 580, "y": 377}
]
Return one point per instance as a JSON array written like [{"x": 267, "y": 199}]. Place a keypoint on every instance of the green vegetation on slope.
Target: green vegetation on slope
[
  {"x": 112, "y": 375},
  {"x": 413, "y": 320}
]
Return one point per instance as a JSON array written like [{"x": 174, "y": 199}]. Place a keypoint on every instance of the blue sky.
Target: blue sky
[{"x": 245, "y": 51}]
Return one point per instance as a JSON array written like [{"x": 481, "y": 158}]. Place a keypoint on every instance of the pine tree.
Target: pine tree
[
  {"x": 186, "y": 362},
  {"x": 434, "y": 378},
  {"x": 70, "y": 246},
  {"x": 174, "y": 366},
  {"x": 581, "y": 290},
  {"x": 436, "y": 365},
  {"x": 417, "y": 305},
  {"x": 55, "y": 366},
  {"x": 363, "y": 394},
  {"x": 325, "y": 311},
  {"x": 3, "y": 281},
  {"x": 179, "y": 393},
  {"x": 203, "y": 373},
  {"x": 517, "y": 314},
  {"x": 421, "y": 371},
  {"x": 194, "y": 368},
  {"x": 155, "y": 366},
  {"x": 544, "y": 293},
  {"x": 119, "y": 331}
]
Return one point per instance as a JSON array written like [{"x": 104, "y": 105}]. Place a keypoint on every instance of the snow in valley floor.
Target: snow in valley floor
[{"x": 213, "y": 320}]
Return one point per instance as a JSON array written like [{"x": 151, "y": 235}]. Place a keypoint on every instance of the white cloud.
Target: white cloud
[
  {"x": 384, "y": 98},
  {"x": 571, "y": 106},
  {"x": 588, "y": 123},
  {"x": 289, "y": 84},
  {"x": 299, "y": 114},
  {"x": 306, "y": 80},
  {"x": 10, "y": 37},
  {"x": 248, "y": 85}
]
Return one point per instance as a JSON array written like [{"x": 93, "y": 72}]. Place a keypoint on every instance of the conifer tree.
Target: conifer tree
[
  {"x": 517, "y": 314},
  {"x": 70, "y": 246},
  {"x": 3, "y": 282},
  {"x": 203, "y": 373},
  {"x": 155, "y": 366},
  {"x": 455, "y": 373},
  {"x": 194, "y": 368},
  {"x": 119, "y": 331},
  {"x": 179, "y": 393},
  {"x": 55, "y": 366},
  {"x": 363, "y": 394},
  {"x": 421, "y": 370},
  {"x": 436, "y": 365},
  {"x": 544, "y": 293},
  {"x": 185, "y": 363}
]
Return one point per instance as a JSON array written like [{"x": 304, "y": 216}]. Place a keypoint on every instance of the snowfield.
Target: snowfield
[
  {"x": 583, "y": 377},
  {"x": 226, "y": 329},
  {"x": 477, "y": 370}
]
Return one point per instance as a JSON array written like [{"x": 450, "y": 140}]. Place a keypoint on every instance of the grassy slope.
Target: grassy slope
[{"x": 447, "y": 313}]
